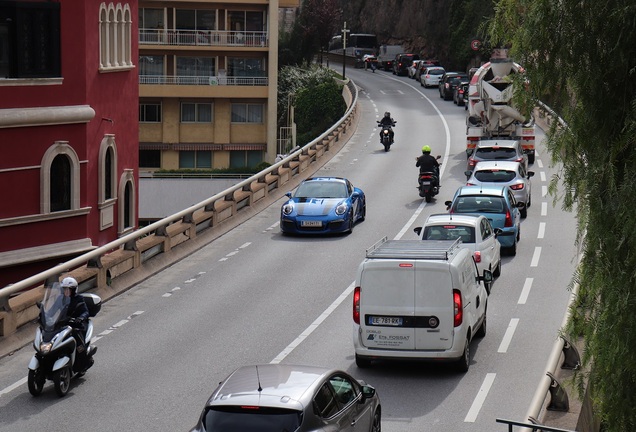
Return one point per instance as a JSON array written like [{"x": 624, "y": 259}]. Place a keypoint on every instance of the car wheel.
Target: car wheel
[
  {"x": 482, "y": 330},
  {"x": 497, "y": 271},
  {"x": 62, "y": 380},
  {"x": 351, "y": 222},
  {"x": 524, "y": 212},
  {"x": 529, "y": 201},
  {"x": 363, "y": 212},
  {"x": 464, "y": 361},
  {"x": 512, "y": 250},
  {"x": 377, "y": 421},
  {"x": 362, "y": 362}
]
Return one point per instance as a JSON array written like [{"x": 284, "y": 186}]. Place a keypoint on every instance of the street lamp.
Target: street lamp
[{"x": 345, "y": 30}]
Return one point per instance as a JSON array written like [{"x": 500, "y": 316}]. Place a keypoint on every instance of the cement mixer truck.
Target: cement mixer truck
[{"x": 491, "y": 112}]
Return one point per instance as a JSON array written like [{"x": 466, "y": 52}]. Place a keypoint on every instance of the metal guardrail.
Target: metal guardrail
[{"x": 97, "y": 268}]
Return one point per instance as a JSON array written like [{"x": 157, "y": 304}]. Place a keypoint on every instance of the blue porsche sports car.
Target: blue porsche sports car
[{"x": 323, "y": 205}]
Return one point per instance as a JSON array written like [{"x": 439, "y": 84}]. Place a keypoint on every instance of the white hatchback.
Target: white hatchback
[
  {"x": 431, "y": 76},
  {"x": 476, "y": 233}
]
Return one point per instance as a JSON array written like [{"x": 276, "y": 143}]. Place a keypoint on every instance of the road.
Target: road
[{"x": 255, "y": 296}]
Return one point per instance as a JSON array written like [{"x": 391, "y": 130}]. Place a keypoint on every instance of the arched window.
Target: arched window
[
  {"x": 107, "y": 169},
  {"x": 108, "y": 174},
  {"x": 127, "y": 215},
  {"x": 59, "y": 179},
  {"x": 115, "y": 45}
]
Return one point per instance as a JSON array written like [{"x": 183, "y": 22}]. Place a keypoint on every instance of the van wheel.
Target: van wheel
[
  {"x": 464, "y": 361},
  {"x": 482, "y": 330},
  {"x": 362, "y": 362}
]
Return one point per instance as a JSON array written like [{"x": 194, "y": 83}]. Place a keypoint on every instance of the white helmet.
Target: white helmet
[{"x": 69, "y": 282}]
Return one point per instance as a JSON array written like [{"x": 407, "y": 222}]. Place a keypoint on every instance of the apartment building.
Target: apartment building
[{"x": 208, "y": 83}]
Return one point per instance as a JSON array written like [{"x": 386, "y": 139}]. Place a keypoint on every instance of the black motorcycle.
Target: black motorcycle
[
  {"x": 428, "y": 184},
  {"x": 58, "y": 356},
  {"x": 386, "y": 135}
]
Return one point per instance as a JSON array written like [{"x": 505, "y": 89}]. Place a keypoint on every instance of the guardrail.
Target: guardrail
[{"x": 97, "y": 269}]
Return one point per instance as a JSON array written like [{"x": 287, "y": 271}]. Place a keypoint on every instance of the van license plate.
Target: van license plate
[
  {"x": 385, "y": 321},
  {"x": 311, "y": 223}
]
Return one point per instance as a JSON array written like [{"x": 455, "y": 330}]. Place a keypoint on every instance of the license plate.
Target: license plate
[
  {"x": 310, "y": 223},
  {"x": 427, "y": 183},
  {"x": 385, "y": 321}
]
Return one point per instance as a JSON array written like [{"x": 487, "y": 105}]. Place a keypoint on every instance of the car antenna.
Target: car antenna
[{"x": 258, "y": 378}]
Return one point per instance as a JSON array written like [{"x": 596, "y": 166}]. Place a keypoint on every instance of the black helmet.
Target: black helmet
[{"x": 387, "y": 114}]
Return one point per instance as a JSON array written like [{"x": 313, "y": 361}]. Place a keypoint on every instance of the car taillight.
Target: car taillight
[
  {"x": 508, "y": 222},
  {"x": 517, "y": 186},
  {"x": 519, "y": 160},
  {"x": 356, "y": 305},
  {"x": 472, "y": 162},
  {"x": 477, "y": 256},
  {"x": 458, "y": 308},
  {"x": 470, "y": 184}
]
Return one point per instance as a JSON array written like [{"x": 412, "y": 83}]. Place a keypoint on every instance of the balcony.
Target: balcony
[
  {"x": 203, "y": 80},
  {"x": 214, "y": 38}
]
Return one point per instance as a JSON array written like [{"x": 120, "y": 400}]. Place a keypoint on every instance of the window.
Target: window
[
  {"x": 246, "y": 67},
  {"x": 115, "y": 39},
  {"x": 107, "y": 169},
  {"x": 188, "y": 67},
  {"x": 246, "y": 21},
  {"x": 247, "y": 113},
  {"x": 196, "y": 112},
  {"x": 325, "y": 404},
  {"x": 193, "y": 19},
  {"x": 127, "y": 216},
  {"x": 59, "y": 179},
  {"x": 195, "y": 159},
  {"x": 151, "y": 70},
  {"x": 150, "y": 18},
  {"x": 29, "y": 40},
  {"x": 150, "y": 112},
  {"x": 245, "y": 158},
  {"x": 149, "y": 158}
]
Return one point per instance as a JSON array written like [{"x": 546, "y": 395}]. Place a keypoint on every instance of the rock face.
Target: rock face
[{"x": 440, "y": 29}]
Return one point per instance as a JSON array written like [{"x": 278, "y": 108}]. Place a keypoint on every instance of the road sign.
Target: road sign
[{"x": 475, "y": 44}]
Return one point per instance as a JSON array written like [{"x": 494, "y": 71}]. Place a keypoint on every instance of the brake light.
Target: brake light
[
  {"x": 519, "y": 160},
  {"x": 477, "y": 256},
  {"x": 517, "y": 186},
  {"x": 470, "y": 184},
  {"x": 458, "y": 308},
  {"x": 472, "y": 162},
  {"x": 356, "y": 305},
  {"x": 508, "y": 222},
  {"x": 426, "y": 177}
]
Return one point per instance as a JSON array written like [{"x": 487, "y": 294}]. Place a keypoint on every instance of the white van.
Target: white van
[{"x": 418, "y": 300}]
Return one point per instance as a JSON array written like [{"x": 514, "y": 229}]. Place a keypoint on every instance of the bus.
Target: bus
[{"x": 358, "y": 44}]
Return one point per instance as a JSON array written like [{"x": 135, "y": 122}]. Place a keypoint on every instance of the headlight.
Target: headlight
[
  {"x": 341, "y": 209},
  {"x": 288, "y": 209},
  {"x": 45, "y": 347}
]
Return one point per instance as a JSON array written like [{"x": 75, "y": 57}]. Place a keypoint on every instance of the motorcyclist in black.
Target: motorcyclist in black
[
  {"x": 77, "y": 311},
  {"x": 387, "y": 121},
  {"x": 428, "y": 163}
]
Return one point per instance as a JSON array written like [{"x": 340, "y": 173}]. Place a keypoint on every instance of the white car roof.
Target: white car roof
[
  {"x": 457, "y": 219},
  {"x": 504, "y": 165}
]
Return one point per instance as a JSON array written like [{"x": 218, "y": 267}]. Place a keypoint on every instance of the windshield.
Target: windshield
[
  {"x": 479, "y": 204},
  {"x": 251, "y": 419},
  {"x": 449, "y": 232},
  {"x": 321, "y": 190},
  {"x": 54, "y": 305},
  {"x": 495, "y": 175}
]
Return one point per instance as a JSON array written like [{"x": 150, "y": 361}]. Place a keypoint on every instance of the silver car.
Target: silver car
[
  {"x": 278, "y": 397},
  {"x": 504, "y": 173},
  {"x": 431, "y": 75}
]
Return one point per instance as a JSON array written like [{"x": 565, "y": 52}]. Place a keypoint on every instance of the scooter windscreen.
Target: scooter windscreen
[{"x": 54, "y": 306}]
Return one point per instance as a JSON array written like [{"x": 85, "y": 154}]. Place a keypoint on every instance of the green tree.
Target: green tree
[
  {"x": 318, "y": 107},
  {"x": 580, "y": 56}
]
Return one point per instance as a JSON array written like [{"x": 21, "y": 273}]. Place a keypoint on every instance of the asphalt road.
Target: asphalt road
[{"x": 255, "y": 296}]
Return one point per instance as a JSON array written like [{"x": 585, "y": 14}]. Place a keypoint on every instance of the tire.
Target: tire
[
  {"x": 531, "y": 158},
  {"x": 428, "y": 198},
  {"x": 35, "y": 382},
  {"x": 512, "y": 250},
  {"x": 363, "y": 213},
  {"x": 497, "y": 271},
  {"x": 62, "y": 380},
  {"x": 483, "y": 329},
  {"x": 376, "y": 426},
  {"x": 524, "y": 212},
  {"x": 362, "y": 362},
  {"x": 463, "y": 364},
  {"x": 386, "y": 147}
]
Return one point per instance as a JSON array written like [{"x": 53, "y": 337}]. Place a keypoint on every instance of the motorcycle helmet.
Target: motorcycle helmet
[
  {"x": 387, "y": 115},
  {"x": 70, "y": 282},
  {"x": 426, "y": 149}
]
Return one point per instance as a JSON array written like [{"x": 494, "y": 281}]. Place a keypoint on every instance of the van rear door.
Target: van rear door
[
  {"x": 387, "y": 304},
  {"x": 434, "y": 309}
]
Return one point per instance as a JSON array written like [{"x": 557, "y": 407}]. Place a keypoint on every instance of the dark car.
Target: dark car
[
  {"x": 277, "y": 397},
  {"x": 402, "y": 63},
  {"x": 448, "y": 83},
  {"x": 458, "y": 93}
]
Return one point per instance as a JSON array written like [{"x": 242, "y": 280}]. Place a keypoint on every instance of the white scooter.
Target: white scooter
[{"x": 57, "y": 354}]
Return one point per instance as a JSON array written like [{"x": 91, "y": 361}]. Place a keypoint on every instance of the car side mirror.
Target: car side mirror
[
  {"x": 468, "y": 173},
  {"x": 418, "y": 231},
  {"x": 288, "y": 194},
  {"x": 448, "y": 204},
  {"x": 521, "y": 205},
  {"x": 530, "y": 174},
  {"x": 487, "y": 277},
  {"x": 497, "y": 232},
  {"x": 367, "y": 392}
]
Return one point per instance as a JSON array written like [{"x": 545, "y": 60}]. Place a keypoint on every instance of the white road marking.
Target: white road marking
[
  {"x": 189, "y": 281},
  {"x": 535, "y": 256},
  {"x": 166, "y": 295},
  {"x": 542, "y": 174},
  {"x": 544, "y": 209},
  {"x": 525, "y": 292},
  {"x": 272, "y": 226},
  {"x": 13, "y": 386},
  {"x": 541, "y": 230},
  {"x": 480, "y": 398},
  {"x": 544, "y": 191},
  {"x": 232, "y": 253},
  {"x": 176, "y": 289},
  {"x": 539, "y": 163},
  {"x": 223, "y": 259},
  {"x": 510, "y": 331}
]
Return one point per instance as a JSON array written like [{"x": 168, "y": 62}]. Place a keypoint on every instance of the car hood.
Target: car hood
[{"x": 315, "y": 206}]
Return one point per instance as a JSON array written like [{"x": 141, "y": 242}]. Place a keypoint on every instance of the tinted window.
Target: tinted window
[
  {"x": 496, "y": 153},
  {"x": 479, "y": 204},
  {"x": 449, "y": 232},
  {"x": 251, "y": 419},
  {"x": 495, "y": 175},
  {"x": 325, "y": 403},
  {"x": 435, "y": 72}
]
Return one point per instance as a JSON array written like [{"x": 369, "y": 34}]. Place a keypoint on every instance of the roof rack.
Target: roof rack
[{"x": 414, "y": 249}]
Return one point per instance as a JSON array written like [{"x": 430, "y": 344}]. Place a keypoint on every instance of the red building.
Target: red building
[{"x": 68, "y": 130}]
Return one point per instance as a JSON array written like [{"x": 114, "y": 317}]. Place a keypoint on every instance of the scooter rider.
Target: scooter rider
[
  {"x": 387, "y": 121},
  {"x": 428, "y": 163},
  {"x": 77, "y": 310}
]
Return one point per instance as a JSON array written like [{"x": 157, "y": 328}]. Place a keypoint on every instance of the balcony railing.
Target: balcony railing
[
  {"x": 203, "y": 80},
  {"x": 203, "y": 38}
]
